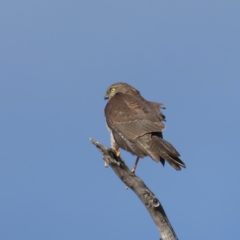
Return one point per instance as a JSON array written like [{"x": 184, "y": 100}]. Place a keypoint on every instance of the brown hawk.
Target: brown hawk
[{"x": 136, "y": 126}]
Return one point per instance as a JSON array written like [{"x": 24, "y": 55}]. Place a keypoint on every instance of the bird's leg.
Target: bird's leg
[
  {"x": 116, "y": 151},
  {"x": 134, "y": 168},
  {"x": 135, "y": 165}
]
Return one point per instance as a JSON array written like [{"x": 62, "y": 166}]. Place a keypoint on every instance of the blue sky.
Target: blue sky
[{"x": 57, "y": 59}]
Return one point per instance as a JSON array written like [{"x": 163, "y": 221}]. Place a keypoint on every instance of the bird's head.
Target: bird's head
[{"x": 120, "y": 87}]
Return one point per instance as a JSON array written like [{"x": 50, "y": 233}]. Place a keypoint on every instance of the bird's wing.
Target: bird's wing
[{"x": 132, "y": 116}]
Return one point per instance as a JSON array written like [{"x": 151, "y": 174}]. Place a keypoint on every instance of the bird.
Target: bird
[{"x": 136, "y": 126}]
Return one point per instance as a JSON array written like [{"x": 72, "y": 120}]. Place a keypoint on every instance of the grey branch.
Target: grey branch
[{"x": 152, "y": 204}]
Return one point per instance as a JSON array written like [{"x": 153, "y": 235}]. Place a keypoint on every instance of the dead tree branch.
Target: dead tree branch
[{"x": 152, "y": 204}]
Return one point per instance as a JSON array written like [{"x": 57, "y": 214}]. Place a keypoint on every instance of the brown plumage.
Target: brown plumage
[{"x": 136, "y": 126}]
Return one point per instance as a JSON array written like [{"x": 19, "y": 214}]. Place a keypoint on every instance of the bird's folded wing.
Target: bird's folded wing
[{"x": 131, "y": 116}]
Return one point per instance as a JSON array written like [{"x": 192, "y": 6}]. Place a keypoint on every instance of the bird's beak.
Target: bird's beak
[{"x": 106, "y": 97}]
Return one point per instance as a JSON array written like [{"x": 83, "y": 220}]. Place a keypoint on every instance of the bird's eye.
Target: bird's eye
[{"x": 112, "y": 90}]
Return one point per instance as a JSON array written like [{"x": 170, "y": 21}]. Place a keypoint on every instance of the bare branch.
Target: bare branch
[{"x": 152, "y": 204}]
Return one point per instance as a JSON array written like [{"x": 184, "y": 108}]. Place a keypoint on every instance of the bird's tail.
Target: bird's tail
[{"x": 167, "y": 152}]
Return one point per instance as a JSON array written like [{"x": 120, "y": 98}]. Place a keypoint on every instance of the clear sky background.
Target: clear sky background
[{"x": 57, "y": 59}]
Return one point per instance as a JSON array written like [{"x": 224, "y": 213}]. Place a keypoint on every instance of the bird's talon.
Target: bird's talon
[{"x": 117, "y": 152}]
